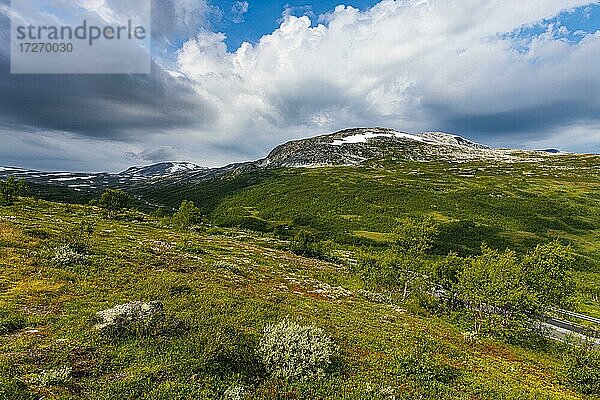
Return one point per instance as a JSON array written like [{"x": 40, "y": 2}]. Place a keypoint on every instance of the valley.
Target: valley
[{"x": 353, "y": 232}]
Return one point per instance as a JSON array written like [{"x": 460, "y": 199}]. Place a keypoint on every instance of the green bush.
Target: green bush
[
  {"x": 12, "y": 389},
  {"x": 307, "y": 244},
  {"x": 548, "y": 273},
  {"x": 10, "y": 321},
  {"x": 78, "y": 238},
  {"x": 291, "y": 351},
  {"x": 227, "y": 352},
  {"x": 393, "y": 272},
  {"x": 416, "y": 237},
  {"x": 422, "y": 364},
  {"x": 10, "y": 189},
  {"x": 446, "y": 271},
  {"x": 496, "y": 297},
  {"x": 187, "y": 215},
  {"x": 582, "y": 364},
  {"x": 114, "y": 201}
]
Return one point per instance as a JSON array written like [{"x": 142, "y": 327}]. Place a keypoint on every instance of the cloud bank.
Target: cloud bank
[{"x": 461, "y": 66}]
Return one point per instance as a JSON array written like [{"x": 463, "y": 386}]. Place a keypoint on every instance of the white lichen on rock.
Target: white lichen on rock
[{"x": 122, "y": 315}]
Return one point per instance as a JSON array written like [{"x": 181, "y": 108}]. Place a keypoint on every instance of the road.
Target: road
[{"x": 562, "y": 330}]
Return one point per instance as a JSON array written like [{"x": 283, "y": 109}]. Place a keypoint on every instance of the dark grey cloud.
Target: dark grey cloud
[
  {"x": 119, "y": 107},
  {"x": 532, "y": 122},
  {"x": 102, "y": 106}
]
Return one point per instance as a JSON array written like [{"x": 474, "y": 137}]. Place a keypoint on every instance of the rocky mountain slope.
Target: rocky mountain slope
[
  {"x": 344, "y": 148},
  {"x": 355, "y": 146},
  {"x": 94, "y": 181}
]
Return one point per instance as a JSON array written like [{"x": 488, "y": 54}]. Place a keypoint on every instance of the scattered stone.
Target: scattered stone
[
  {"x": 375, "y": 297},
  {"x": 59, "y": 376},
  {"x": 124, "y": 314}
]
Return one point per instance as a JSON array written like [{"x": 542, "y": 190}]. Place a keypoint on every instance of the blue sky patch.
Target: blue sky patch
[
  {"x": 263, "y": 17},
  {"x": 570, "y": 26}
]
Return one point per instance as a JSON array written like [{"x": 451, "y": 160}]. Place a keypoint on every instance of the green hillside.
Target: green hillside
[
  {"x": 220, "y": 288},
  {"x": 504, "y": 205}
]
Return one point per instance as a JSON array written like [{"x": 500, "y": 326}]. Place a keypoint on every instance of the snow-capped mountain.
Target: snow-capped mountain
[
  {"x": 359, "y": 145},
  {"x": 344, "y": 148},
  {"x": 93, "y": 181},
  {"x": 158, "y": 170}
]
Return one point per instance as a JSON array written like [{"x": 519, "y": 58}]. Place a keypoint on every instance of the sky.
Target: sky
[{"x": 232, "y": 79}]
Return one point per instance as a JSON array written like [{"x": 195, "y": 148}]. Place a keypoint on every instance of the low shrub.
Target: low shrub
[
  {"x": 10, "y": 321},
  {"x": 14, "y": 389},
  {"x": 78, "y": 237},
  {"x": 422, "y": 365},
  {"x": 291, "y": 351},
  {"x": 65, "y": 256},
  {"x": 235, "y": 392},
  {"x": 227, "y": 352},
  {"x": 582, "y": 364}
]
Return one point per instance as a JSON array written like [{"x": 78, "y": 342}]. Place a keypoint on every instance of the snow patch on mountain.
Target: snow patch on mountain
[
  {"x": 184, "y": 166},
  {"x": 160, "y": 169},
  {"x": 363, "y": 137},
  {"x": 72, "y": 178}
]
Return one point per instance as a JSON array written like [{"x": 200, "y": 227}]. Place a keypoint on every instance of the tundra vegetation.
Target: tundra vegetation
[
  {"x": 10, "y": 189},
  {"x": 379, "y": 282}
]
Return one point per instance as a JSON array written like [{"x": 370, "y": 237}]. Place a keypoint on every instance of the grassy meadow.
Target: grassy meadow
[{"x": 320, "y": 248}]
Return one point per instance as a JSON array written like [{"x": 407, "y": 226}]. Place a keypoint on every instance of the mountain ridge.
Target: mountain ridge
[{"x": 348, "y": 147}]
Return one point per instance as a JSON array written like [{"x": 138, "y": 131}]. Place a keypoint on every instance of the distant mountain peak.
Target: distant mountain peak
[
  {"x": 159, "y": 169},
  {"x": 357, "y": 145},
  {"x": 348, "y": 147},
  {"x": 551, "y": 151},
  {"x": 452, "y": 139}
]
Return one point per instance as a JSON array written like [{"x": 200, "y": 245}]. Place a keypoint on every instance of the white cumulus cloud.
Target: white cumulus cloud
[{"x": 412, "y": 65}]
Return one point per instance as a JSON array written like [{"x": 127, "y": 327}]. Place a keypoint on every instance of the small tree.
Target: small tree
[
  {"x": 447, "y": 270},
  {"x": 114, "y": 200},
  {"x": 393, "y": 272},
  {"x": 187, "y": 215},
  {"x": 416, "y": 237},
  {"x": 10, "y": 189},
  {"x": 547, "y": 273},
  {"x": 307, "y": 244},
  {"x": 445, "y": 274},
  {"x": 497, "y": 300}
]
